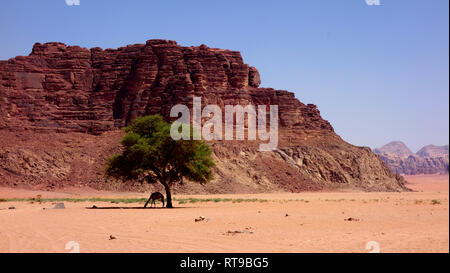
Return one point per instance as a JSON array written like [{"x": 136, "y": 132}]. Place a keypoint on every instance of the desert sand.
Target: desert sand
[{"x": 283, "y": 222}]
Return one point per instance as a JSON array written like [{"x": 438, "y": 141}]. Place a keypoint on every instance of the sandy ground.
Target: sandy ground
[{"x": 302, "y": 222}]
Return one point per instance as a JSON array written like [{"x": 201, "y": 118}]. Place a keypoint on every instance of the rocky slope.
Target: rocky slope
[
  {"x": 433, "y": 151},
  {"x": 395, "y": 148},
  {"x": 428, "y": 160},
  {"x": 62, "y": 107}
]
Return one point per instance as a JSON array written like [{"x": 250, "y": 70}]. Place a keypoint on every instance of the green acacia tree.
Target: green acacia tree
[{"x": 151, "y": 155}]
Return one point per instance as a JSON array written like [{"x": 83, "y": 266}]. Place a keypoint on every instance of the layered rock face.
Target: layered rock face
[
  {"x": 430, "y": 159},
  {"x": 396, "y": 148},
  {"x": 68, "y": 88},
  {"x": 88, "y": 94},
  {"x": 433, "y": 151}
]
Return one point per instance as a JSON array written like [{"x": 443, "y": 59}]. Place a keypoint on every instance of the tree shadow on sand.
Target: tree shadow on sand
[{"x": 135, "y": 208}]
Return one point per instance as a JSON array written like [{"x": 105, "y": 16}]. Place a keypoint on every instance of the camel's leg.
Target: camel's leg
[
  {"x": 153, "y": 203},
  {"x": 147, "y": 202},
  {"x": 162, "y": 199}
]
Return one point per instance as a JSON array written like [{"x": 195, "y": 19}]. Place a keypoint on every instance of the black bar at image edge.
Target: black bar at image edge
[{"x": 227, "y": 262}]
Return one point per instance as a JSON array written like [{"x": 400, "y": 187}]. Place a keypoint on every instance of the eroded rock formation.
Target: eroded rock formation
[
  {"x": 89, "y": 94},
  {"x": 69, "y": 88},
  {"x": 430, "y": 159}
]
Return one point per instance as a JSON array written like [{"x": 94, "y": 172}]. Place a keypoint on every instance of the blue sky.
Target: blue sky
[{"x": 377, "y": 73}]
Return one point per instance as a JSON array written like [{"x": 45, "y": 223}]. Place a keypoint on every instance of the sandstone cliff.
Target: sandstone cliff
[
  {"x": 433, "y": 151},
  {"x": 428, "y": 160},
  {"x": 395, "y": 148},
  {"x": 62, "y": 106}
]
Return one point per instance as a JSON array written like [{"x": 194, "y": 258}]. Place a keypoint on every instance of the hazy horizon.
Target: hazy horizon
[
  {"x": 409, "y": 147},
  {"x": 377, "y": 73}
]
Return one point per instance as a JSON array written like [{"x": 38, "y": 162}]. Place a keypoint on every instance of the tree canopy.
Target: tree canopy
[{"x": 151, "y": 155}]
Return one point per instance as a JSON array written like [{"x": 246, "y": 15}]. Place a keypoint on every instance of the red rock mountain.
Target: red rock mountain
[
  {"x": 428, "y": 160},
  {"x": 433, "y": 151},
  {"x": 396, "y": 148},
  {"x": 62, "y": 106}
]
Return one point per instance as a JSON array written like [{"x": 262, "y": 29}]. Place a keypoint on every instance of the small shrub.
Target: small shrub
[{"x": 435, "y": 202}]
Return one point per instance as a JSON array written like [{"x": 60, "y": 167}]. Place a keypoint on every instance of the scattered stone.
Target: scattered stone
[
  {"x": 352, "y": 219},
  {"x": 59, "y": 206},
  {"x": 112, "y": 237},
  {"x": 286, "y": 215},
  {"x": 200, "y": 218},
  {"x": 248, "y": 230},
  {"x": 12, "y": 208}
]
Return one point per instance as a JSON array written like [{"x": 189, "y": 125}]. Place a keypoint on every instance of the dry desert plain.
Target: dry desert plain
[{"x": 281, "y": 222}]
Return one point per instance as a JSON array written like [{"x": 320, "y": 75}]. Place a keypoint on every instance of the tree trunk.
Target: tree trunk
[{"x": 168, "y": 195}]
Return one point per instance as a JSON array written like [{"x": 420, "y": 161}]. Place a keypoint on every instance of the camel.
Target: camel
[{"x": 153, "y": 197}]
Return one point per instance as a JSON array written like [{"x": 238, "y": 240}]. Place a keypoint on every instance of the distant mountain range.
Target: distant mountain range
[{"x": 428, "y": 160}]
